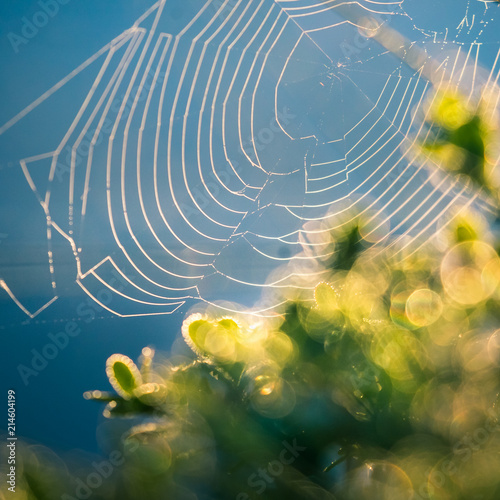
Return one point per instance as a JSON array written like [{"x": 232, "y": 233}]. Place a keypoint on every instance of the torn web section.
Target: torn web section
[
  {"x": 315, "y": 96},
  {"x": 463, "y": 21},
  {"x": 26, "y": 270}
]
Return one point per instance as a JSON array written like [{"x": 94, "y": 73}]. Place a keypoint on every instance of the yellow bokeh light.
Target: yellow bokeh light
[
  {"x": 470, "y": 272},
  {"x": 423, "y": 307}
]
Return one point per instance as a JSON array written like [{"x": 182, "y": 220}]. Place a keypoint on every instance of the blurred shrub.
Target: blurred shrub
[
  {"x": 382, "y": 384},
  {"x": 385, "y": 384}
]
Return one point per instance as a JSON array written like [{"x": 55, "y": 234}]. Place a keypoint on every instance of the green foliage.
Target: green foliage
[
  {"x": 460, "y": 135},
  {"x": 123, "y": 379},
  {"x": 382, "y": 381},
  {"x": 388, "y": 371}
]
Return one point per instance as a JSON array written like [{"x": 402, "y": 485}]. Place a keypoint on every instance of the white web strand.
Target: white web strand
[{"x": 211, "y": 169}]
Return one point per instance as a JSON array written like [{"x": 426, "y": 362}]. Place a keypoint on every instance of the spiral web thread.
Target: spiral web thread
[{"x": 217, "y": 151}]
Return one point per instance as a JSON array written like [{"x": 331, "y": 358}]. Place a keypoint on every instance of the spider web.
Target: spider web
[{"x": 209, "y": 151}]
